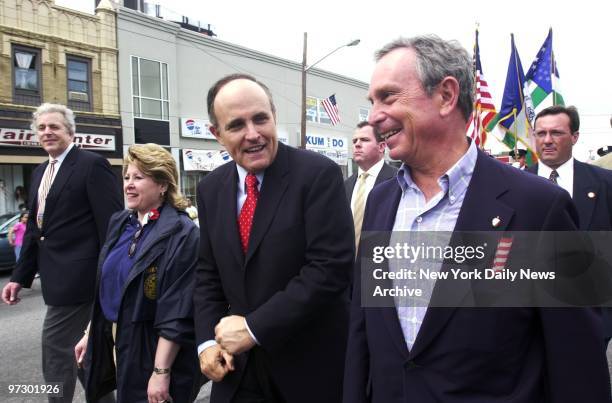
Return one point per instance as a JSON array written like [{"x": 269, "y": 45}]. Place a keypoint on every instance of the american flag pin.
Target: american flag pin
[
  {"x": 591, "y": 195},
  {"x": 495, "y": 222},
  {"x": 501, "y": 253}
]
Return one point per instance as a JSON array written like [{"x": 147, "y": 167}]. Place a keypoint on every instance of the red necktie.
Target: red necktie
[{"x": 245, "y": 219}]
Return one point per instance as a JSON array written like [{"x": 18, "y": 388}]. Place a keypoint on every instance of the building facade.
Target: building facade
[
  {"x": 54, "y": 54},
  {"x": 165, "y": 71}
]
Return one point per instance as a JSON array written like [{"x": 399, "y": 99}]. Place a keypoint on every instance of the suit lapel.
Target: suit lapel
[
  {"x": 228, "y": 196},
  {"x": 480, "y": 207},
  {"x": 274, "y": 185},
  {"x": 584, "y": 184},
  {"x": 36, "y": 179},
  {"x": 64, "y": 173}
]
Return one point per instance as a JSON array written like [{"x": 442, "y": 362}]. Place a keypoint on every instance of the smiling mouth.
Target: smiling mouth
[
  {"x": 388, "y": 134},
  {"x": 255, "y": 149}
]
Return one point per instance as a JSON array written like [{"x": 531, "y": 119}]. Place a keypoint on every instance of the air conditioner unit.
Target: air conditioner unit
[{"x": 78, "y": 96}]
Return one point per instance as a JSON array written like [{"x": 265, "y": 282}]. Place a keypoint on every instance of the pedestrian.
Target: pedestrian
[
  {"x": 421, "y": 94},
  {"x": 72, "y": 194},
  {"x": 16, "y": 233},
  {"x": 143, "y": 305},
  {"x": 276, "y": 252}
]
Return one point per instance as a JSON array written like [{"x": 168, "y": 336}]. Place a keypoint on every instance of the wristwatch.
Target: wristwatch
[{"x": 161, "y": 371}]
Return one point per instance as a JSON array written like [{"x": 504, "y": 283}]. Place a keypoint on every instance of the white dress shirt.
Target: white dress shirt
[
  {"x": 566, "y": 174},
  {"x": 369, "y": 181}
]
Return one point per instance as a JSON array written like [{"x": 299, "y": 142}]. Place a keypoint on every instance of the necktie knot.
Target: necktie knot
[
  {"x": 553, "y": 176},
  {"x": 251, "y": 183}
]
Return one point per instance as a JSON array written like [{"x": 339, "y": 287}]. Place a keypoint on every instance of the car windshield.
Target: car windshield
[{"x": 5, "y": 217}]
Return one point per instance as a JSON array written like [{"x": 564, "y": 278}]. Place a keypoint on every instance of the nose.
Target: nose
[{"x": 251, "y": 132}]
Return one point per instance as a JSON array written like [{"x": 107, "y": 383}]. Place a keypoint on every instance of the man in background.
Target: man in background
[{"x": 369, "y": 155}]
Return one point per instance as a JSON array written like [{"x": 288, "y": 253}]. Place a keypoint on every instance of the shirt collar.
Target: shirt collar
[
  {"x": 566, "y": 170},
  {"x": 374, "y": 169},
  {"x": 242, "y": 173},
  {"x": 456, "y": 179},
  {"x": 63, "y": 155}
]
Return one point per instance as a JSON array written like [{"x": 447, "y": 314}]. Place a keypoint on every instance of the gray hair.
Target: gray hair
[
  {"x": 437, "y": 59},
  {"x": 54, "y": 108}
]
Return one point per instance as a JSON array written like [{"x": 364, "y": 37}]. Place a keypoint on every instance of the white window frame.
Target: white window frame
[
  {"x": 165, "y": 88},
  {"x": 321, "y": 116}
]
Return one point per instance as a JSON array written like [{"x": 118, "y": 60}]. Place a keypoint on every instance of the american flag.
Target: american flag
[
  {"x": 332, "y": 109},
  {"x": 484, "y": 110}
]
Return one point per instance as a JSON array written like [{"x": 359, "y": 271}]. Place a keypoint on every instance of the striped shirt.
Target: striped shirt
[{"x": 415, "y": 214}]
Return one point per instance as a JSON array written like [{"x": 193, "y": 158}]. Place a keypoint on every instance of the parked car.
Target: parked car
[{"x": 7, "y": 254}]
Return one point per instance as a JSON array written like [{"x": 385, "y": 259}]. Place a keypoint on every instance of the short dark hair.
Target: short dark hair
[
  {"x": 570, "y": 111},
  {"x": 365, "y": 123},
  {"x": 214, "y": 90}
]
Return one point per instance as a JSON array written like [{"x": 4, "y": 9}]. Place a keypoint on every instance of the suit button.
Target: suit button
[
  {"x": 42, "y": 238},
  {"x": 410, "y": 364}
]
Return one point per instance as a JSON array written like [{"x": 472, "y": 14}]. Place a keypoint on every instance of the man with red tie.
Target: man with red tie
[{"x": 271, "y": 297}]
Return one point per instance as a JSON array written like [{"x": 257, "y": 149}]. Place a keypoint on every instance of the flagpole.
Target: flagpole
[{"x": 515, "y": 131}]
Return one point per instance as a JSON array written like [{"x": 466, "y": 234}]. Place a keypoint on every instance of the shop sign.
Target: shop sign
[
  {"x": 204, "y": 160},
  {"x": 333, "y": 147},
  {"x": 196, "y": 128},
  {"x": 27, "y": 138}
]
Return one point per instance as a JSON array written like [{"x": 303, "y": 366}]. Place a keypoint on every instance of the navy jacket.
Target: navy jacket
[
  {"x": 84, "y": 195},
  {"x": 156, "y": 301},
  {"x": 292, "y": 285},
  {"x": 474, "y": 355}
]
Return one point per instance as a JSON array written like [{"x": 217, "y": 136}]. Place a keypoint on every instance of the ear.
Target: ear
[
  {"x": 215, "y": 131},
  {"x": 448, "y": 91},
  {"x": 575, "y": 137}
]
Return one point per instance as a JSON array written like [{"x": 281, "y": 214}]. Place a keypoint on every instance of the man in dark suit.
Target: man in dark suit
[
  {"x": 458, "y": 354},
  {"x": 557, "y": 129},
  {"x": 72, "y": 198},
  {"x": 271, "y": 300},
  {"x": 368, "y": 153}
]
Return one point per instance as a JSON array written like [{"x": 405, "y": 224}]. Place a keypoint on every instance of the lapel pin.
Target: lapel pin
[
  {"x": 495, "y": 222},
  {"x": 591, "y": 195}
]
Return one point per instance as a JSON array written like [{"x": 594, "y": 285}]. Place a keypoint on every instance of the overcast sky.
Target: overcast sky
[{"x": 581, "y": 38}]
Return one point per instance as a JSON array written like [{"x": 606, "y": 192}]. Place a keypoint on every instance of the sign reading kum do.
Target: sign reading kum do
[{"x": 27, "y": 138}]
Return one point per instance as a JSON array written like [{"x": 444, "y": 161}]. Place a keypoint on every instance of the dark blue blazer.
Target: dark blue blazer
[
  {"x": 292, "y": 284},
  {"x": 82, "y": 198},
  {"x": 592, "y": 195},
  {"x": 479, "y": 354},
  {"x": 386, "y": 172}
]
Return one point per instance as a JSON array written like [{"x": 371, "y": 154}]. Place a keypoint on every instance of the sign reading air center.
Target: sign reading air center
[
  {"x": 333, "y": 147},
  {"x": 27, "y": 138},
  {"x": 196, "y": 128}
]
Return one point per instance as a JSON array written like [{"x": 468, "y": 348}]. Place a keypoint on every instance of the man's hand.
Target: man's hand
[
  {"x": 10, "y": 293},
  {"x": 80, "y": 349},
  {"x": 215, "y": 363},
  {"x": 232, "y": 334}
]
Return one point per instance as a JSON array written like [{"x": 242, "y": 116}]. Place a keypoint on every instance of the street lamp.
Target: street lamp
[{"x": 305, "y": 68}]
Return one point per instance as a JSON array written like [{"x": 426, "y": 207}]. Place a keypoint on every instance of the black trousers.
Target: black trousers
[{"x": 257, "y": 385}]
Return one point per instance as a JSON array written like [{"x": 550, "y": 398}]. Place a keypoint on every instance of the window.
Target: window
[
  {"x": 79, "y": 89},
  {"x": 315, "y": 111},
  {"x": 364, "y": 113},
  {"x": 150, "y": 89},
  {"x": 26, "y": 65}
]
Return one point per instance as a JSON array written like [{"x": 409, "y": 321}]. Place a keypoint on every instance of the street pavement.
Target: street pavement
[
  {"x": 20, "y": 328},
  {"x": 20, "y": 349}
]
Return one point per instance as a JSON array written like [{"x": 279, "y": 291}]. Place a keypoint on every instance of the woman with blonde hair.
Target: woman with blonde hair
[{"x": 143, "y": 310}]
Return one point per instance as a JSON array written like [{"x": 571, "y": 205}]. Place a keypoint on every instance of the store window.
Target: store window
[
  {"x": 79, "y": 83},
  {"x": 150, "y": 89},
  {"x": 315, "y": 111},
  {"x": 26, "y": 79}
]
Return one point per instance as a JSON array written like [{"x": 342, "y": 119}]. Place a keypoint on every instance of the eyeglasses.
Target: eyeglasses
[
  {"x": 555, "y": 134},
  {"x": 135, "y": 239}
]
